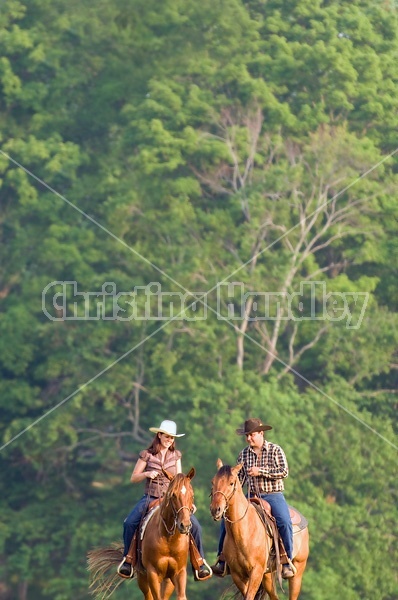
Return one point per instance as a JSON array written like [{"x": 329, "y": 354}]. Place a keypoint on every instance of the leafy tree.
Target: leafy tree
[{"x": 177, "y": 143}]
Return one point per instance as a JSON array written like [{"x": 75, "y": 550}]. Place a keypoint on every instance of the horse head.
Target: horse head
[
  {"x": 179, "y": 502},
  {"x": 223, "y": 487}
]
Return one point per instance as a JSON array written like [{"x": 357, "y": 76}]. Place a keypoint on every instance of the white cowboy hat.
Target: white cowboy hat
[{"x": 167, "y": 427}]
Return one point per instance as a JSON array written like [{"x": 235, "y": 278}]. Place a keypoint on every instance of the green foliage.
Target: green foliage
[{"x": 189, "y": 144}]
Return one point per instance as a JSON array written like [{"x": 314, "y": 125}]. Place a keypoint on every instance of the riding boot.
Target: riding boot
[
  {"x": 201, "y": 570},
  {"x": 220, "y": 568},
  {"x": 126, "y": 568},
  {"x": 288, "y": 570}
]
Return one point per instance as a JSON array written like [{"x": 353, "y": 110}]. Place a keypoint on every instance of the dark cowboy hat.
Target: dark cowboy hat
[{"x": 252, "y": 425}]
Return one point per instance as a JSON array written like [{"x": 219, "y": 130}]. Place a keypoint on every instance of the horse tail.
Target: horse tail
[{"x": 101, "y": 565}]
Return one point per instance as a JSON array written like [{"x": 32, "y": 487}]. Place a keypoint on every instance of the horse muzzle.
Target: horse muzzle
[
  {"x": 185, "y": 529},
  {"x": 216, "y": 512}
]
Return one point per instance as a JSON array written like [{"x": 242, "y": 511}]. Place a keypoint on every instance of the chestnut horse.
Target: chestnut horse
[
  {"x": 165, "y": 548},
  {"x": 247, "y": 544}
]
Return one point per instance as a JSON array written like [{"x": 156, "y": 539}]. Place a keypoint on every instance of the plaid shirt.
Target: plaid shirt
[{"x": 273, "y": 469}]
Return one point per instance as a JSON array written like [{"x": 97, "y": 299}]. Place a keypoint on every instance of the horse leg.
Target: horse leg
[
  {"x": 269, "y": 586},
  {"x": 300, "y": 562},
  {"x": 144, "y": 587},
  {"x": 295, "y": 582},
  {"x": 180, "y": 583},
  {"x": 154, "y": 583},
  {"x": 252, "y": 588},
  {"x": 166, "y": 589},
  {"x": 240, "y": 584}
]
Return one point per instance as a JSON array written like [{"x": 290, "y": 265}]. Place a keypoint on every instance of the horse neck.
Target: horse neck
[
  {"x": 167, "y": 516},
  {"x": 237, "y": 505}
]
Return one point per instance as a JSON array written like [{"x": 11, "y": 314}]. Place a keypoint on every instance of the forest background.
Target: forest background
[{"x": 190, "y": 143}]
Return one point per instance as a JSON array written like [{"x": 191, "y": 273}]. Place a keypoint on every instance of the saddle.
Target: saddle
[
  {"x": 299, "y": 521},
  {"x": 134, "y": 554},
  {"x": 277, "y": 556}
]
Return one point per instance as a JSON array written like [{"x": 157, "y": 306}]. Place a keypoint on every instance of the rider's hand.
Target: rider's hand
[
  {"x": 152, "y": 474},
  {"x": 254, "y": 471}
]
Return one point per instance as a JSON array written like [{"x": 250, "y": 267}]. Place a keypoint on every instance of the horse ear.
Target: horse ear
[
  {"x": 191, "y": 473},
  {"x": 237, "y": 468},
  {"x": 168, "y": 475},
  {"x": 219, "y": 463}
]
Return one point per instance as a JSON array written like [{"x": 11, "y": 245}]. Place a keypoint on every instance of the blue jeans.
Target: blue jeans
[
  {"x": 280, "y": 511},
  {"x": 133, "y": 519}
]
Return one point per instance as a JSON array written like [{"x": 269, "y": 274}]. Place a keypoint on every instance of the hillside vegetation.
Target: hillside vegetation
[{"x": 178, "y": 146}]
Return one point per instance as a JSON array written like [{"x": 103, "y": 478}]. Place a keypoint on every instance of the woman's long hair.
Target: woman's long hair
[{"x": 155, "y": 445}]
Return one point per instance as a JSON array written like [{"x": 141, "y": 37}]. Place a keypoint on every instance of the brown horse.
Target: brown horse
[
  {"x": 165, "y": 548},
  {"x": 165, "y": 545},
  {"x": 247, "y": 545}
]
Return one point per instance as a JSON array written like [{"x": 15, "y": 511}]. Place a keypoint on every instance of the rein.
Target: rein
[
  {"x": 174, "y": 525},
  {"x": 227, "y": 501}
]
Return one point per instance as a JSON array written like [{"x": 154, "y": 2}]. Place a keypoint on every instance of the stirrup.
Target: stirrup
[
  {"x": 288, "y": 570},
  {"x": 294, "y": 569},
  {"x": 196, "y": 572},
  {"x": 122, "y": 574},
  {"x": 217, "y": 568}
]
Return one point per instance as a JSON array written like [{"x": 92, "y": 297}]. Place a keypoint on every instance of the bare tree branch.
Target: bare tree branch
[{"x": 294, "y": 357}]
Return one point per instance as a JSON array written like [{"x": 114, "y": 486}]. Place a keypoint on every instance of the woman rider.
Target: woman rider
[{"x": 161, "y": 454}]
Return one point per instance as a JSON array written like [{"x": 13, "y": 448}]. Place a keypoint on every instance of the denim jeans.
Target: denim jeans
[
  {"x": 280, "y": 511},
  {"x": 133, "y": 519}
]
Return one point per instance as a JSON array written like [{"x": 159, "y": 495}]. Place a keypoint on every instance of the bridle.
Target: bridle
[
  {"x": 227, "y": 501},
  {"x": 175, "y": 514}
]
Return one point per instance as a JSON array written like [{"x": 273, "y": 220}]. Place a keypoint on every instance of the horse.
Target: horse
[
  {"x": 164, "y": 549},
  {"x": 247, "y": 545}
]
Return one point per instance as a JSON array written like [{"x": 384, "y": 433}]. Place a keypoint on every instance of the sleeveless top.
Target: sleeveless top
[{"x": 158, "y": 487}]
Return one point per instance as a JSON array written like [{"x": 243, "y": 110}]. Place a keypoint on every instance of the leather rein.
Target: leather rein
[
  {"x": 227, "y": 501},
  {"x": 175, "y": 514}
]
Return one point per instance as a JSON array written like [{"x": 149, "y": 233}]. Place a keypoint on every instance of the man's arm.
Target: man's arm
[{"x": 277, "y": 468}]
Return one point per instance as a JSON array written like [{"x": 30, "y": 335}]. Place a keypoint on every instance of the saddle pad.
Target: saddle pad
[
  {"x": 147, "y": 518},
  {"x": 299, "y": 522}
]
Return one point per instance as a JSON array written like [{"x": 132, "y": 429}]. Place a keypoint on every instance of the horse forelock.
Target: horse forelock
[
  {"x": 225, "y": 470},
  {"x": 222, "y": 476},
  {"x": 180, "y": 485}
]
